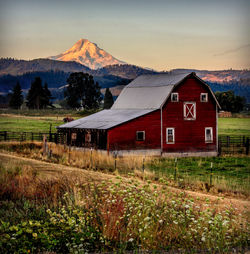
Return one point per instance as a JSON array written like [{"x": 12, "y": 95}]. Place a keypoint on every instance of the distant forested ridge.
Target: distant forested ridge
[
  {"x": 124, "y": 70},
  {"x": 55, "y": 74},
  {"x": 19, "y": 67},
  {"x": 241, "y": 87},
  {"x": 56, "y": 81}
]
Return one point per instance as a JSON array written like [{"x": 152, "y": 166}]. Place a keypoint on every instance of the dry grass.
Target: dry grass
[
  {"x": 84, "y": 158},
  {"x": 98, "y": 161}
]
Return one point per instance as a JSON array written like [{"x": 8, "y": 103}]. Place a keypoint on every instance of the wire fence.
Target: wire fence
[{"x": 226, "y": 144}]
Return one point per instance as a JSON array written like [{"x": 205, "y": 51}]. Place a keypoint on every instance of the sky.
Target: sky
[{"x": 157, "y": 34}]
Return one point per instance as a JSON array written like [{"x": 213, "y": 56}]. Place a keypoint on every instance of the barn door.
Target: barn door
[{"x": 189, "y": 110}]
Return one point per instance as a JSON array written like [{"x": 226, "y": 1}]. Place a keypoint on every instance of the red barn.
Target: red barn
[{"x": 165, "y": 114}]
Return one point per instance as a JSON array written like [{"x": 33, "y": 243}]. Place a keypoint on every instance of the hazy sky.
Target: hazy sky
[{"x": 159, "y": 34}]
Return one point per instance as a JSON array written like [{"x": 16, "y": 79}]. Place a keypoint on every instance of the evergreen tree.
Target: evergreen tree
[
  {"x": 47, "y": 96},
  {"x": 35, "y": 94},
  {"x": 38, "y": 96},
  {"x": 16, "y": 97},
  {"x": 108, "y": 99},
  {"x": 82, "y": 91}
]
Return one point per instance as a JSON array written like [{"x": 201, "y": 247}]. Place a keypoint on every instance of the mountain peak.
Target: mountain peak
[{"x": 88, "y": 54}]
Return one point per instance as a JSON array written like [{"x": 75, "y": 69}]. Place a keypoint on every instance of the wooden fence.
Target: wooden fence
[
  {"x": 30, "y": 136},
  {"x": 226, "y": 144},
  {"x": 233, "y": 145}
]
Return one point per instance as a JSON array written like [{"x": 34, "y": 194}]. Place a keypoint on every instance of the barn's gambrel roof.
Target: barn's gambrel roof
[
  {"x": 147, "y": 91},
  {"x": 143, "y": 95}
]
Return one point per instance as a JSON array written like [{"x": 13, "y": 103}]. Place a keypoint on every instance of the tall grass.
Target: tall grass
[
  {"x": 116, "y": 215},
  {"x": 227, "y": 175}
]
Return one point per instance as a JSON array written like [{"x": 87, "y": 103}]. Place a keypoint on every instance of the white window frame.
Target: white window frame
[
  {"x": 206, "y": 138},
  {"x": 137, "y": 136},
  {"x": 172, "y": 95},
  {"x": 206, "y": 100},
  {"x": 186, "y": 113},
  {"x": 173, "y": 131}
]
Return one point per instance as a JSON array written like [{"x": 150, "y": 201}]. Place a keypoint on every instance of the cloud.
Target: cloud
[{"x": 232, "y": 50}]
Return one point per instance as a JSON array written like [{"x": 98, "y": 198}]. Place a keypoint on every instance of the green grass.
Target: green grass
[
  {"x": 23, "y": 124},
  {"x": 234, "y": 126},
  {"x": 41, "y": 112},
  {"x": 228, "y": 173},
  {"x": 40, "y": 120},
  {"x": 36, "y": 120}
]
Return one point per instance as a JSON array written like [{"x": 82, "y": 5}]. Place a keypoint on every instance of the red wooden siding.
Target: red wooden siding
[
  {"x": 123, "y": 137},
  {"x": 190, "y": 134}
]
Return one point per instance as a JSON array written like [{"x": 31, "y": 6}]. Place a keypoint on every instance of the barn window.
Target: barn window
[
  {"x": 208, "y": 134},
  {"x": 170, "y": 136},
  {"x": 88, "y": 137},
  {"x": 140, "y": 135},
  {"x": 204, "y": 97},
  {"x": 174, "y": 97},
  {"x": 73, "y": 136},
  {"x": 189, "y": 110}
]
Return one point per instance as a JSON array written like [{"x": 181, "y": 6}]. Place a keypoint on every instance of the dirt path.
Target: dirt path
[{"x": 52, "y": 170}]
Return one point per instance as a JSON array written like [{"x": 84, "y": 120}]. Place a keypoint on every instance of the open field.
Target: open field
[
  {"x": 40, "y": 122},
  {"x": 230, "y": 175},
  {"x": 227, "y": 173},
  {"x": 48, "y": 170},
  {"x": 40, "y": 112},
  {"x": 29, "y": 124},
  {"x": 234, "y": 126},
  {"x": 78, "y": 202},
  {"x": 46, "y": 207}
]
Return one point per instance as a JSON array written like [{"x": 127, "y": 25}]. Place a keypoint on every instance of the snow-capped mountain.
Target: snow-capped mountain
[{"x": 88, "y": 54}]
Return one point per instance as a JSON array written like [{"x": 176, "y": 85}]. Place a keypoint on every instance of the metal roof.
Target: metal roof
[
  {"x": 142, "y": 96},
  {"x": 155, "y": 80},
  {"x": 105, "y": 119},
  {"x": 147, "y": 91}
]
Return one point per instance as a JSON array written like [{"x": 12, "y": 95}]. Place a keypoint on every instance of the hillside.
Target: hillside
[
  {"x": 19, "y": 67},
  {"x": 125, "y": 71},
  {"x": 55, "y": 73}
]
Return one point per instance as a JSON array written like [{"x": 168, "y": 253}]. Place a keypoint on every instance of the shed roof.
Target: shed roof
[{"x": 105, "y": 119}]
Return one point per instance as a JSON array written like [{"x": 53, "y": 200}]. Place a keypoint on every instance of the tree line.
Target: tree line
[
  {"x": 81, "y": 92},
  {"x": 38, "y": 97},
  {"x": 230, "y": 102}
]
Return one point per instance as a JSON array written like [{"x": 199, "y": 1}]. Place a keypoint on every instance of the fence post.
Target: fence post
[
  {"x": 69, "y": 153},
  {"x": 247, "y": 146},
  {"x": 219, "y": 147},
  {"x": 44, "y": 145},
  {"x": 175, "y": 169},
  {"x": 211, "y": 174},
  {"x": 228, "y": 141},
  {"x": 50, "y": 136},
  {"x": 143, "y": 161},
  {"x": 91, "y": 159},
  {"x": 56, "y": 138}
]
